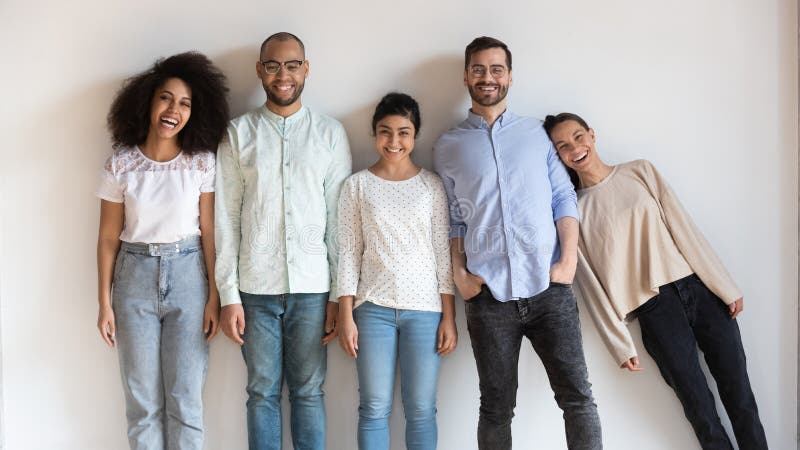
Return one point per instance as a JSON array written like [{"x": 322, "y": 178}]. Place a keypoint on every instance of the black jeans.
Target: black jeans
[
  {"x": 550, "y": 321},
  {"x": 683, "y": 316}
]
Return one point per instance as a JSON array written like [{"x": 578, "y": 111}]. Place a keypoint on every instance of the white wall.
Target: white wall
[{"x": 707, "y": 90}]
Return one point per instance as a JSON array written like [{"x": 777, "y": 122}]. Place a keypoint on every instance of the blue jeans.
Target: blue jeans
[
  {"x": 549, "y": 320},
  {"x": 283, "y": 337},
  {"x": 683, "y": 316},
  {"x": 159, "y": 296},
  {"x": 383, "y": 335}
]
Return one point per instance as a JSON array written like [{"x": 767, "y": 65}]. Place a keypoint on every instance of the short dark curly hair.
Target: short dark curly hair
[
  {"x": 398, "y": 104},
  {"x": 129, "y": 117}
]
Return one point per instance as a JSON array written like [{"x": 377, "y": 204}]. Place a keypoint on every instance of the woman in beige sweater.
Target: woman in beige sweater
[{"x": 641, "y": 256}]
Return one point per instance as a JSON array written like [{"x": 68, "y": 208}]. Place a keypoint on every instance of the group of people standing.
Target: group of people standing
[{"x": 257, "y": 227}]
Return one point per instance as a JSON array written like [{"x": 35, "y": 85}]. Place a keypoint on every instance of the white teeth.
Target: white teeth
[
  {"x": 169, "y": 122},
  {"x": 394, "y": 150},
  {"x": 579, "y": 159}
]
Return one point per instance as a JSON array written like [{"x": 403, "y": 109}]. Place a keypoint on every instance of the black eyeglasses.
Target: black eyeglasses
[{"x": 273, "y": 67}]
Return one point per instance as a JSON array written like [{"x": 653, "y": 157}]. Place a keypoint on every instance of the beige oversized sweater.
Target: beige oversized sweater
[{"x": 634, "y": 237}]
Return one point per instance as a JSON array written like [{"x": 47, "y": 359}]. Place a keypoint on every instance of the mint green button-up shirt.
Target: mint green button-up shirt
[{"x": 277, "y": 188}]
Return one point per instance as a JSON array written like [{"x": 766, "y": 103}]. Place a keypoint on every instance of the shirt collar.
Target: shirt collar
[
  {"x": 477, "y": 121},
  {"x": 280, "y": 120}
]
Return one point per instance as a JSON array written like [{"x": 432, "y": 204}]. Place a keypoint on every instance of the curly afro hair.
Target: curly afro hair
[{"x": 129, "y": 117}]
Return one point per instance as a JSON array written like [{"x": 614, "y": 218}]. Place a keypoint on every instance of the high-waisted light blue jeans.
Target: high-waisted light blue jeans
[
  {"x": 384, "y": 335},
  {"x": 159, "y": 296}
]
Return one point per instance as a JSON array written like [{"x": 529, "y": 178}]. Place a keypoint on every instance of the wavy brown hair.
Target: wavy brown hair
[
  {"x": 549, "y": 125},
  {"x": 129, "y": 117}
]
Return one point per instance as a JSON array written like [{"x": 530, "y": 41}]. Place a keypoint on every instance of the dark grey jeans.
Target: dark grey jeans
[
  {"x": 550, "y": 321},
  {"x": 684, "y": 315}
]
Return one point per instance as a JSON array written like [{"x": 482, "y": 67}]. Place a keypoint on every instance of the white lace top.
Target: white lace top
[
  {"x": 162, "y": 199},
  {"x": 393, "y": 241}
]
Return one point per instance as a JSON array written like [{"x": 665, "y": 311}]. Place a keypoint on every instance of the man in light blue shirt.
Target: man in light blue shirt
[
  {"x": 279, "y": 172},
  {"x": 514, "y": 235}
]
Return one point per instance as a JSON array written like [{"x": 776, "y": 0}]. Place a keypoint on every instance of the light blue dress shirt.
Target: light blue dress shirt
[
  {"x": 506, "y": 188},
  {"x": 277, "y": 191}
]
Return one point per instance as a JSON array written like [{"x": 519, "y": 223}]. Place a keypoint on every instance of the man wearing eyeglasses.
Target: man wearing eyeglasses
[
  {"x": 514, "y": 237},
  {"x": 278, "y": 178}
]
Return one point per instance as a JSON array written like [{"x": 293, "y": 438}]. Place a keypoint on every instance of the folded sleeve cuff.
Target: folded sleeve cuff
[{"x": 458, "y": 231}]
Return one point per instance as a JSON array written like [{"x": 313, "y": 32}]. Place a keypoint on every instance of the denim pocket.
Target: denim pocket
[
  {"x": 201, "y": 263},
  {"x": 645, "y": 307},
  {"x": 119, "y": 265},
  {"x": 560, "y": 285},
  {"x": 475, "y": 297}
]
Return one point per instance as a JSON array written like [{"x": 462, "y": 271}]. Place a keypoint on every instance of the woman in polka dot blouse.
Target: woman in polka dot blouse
[{"x": 395, "y": 282}]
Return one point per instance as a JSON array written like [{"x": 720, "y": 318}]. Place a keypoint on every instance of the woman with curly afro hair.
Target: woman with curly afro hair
[{"x": 156, "y": 245}]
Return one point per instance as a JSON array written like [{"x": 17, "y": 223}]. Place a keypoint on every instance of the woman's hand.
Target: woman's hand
[
  {"x": 446, "y": 336},
  {"x": 211, "y": 315},
  {"x": 106, "y": 324},
  {"x": 348, "y": 334},
  {"x": 632, "y": 364},
  {"x": 468, "y": 285},
  {"x": 736, "y": 307}
]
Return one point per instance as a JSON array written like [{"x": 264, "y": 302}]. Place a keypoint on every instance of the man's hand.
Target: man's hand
[
  {"x": 468, "y": 285},
  {"x": 331, "y": 315},
  {"x": 232, "y": 322},
  {"x": 563, "y": 271}
]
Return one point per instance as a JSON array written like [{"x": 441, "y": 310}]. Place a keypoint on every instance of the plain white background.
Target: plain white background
[{"x": 706, "y": 90}]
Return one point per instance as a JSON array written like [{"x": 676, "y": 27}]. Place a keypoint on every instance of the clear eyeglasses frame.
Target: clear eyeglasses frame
[{"x": 496, "y": 71}]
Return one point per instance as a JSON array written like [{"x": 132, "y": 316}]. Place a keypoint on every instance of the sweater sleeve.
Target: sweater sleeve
[
  {"x": 350, "y": 238},
  {"x": 690, "y": 240},
  {"x": 612, "y": 328},
  {"x": 440, "y": 224}
]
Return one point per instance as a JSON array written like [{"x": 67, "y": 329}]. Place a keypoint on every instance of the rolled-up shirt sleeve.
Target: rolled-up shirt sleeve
[{"x": 564, "y": 202}]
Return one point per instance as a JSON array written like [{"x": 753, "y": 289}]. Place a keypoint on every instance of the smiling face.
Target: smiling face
[
  {"x": 284, "y": 87},
  {"x": 487, "y": 77},
  {"x": 575, "y": 145},
  {"x": 170, "y": 108},
  {"x": 394, "y": 138}
]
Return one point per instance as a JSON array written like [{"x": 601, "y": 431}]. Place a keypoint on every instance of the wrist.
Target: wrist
[{"x": 568, "y": 261}]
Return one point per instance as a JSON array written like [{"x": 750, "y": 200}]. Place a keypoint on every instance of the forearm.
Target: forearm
[
  {"x": 567, "y": 228},
  {"x": 457, "y": 254},
  {"x": 346, "y": 306},
  {"x": 107, "y": 249},
  {"x": 207, "y": 240},
  {"x": 448, "y": 306},
  {"x": 209, "y": 255}
]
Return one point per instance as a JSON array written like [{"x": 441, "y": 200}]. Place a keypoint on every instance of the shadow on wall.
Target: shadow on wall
[{"x": 239, "y": 65}]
